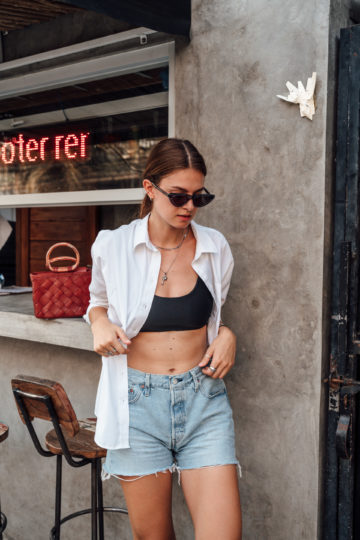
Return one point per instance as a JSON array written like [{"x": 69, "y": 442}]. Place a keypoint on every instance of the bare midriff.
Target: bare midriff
[{"x": 167, "y": 353}]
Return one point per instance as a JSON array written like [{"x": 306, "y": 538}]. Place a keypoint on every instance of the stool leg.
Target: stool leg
[
  {"x": 100, "y": 499},
  {"x": 3, "y": 523},
  {"x": 94, "y": 535},
  {"x": 58, "y": 496}
]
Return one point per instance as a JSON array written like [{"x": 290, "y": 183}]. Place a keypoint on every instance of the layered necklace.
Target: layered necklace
[{"x": 164, "y": 277}]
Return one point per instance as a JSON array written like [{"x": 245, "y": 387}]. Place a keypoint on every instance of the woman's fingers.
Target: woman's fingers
[
  {"x": 123, "y": 337},
  {"x": 207, "y": 357},
  {"x": 213, "y": 366},
  {"x": 113, "y": 341},
  {"x": 221, "y": 353},
  {"x": 110, "y": 348},
  {"x": 211, "y": 372},
  {"x": 221, "y": 367},
  {"x": 221, "y": 371}
]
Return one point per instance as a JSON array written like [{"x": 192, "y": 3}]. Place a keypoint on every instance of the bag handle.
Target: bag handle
[{"x": 76, "y": 259}]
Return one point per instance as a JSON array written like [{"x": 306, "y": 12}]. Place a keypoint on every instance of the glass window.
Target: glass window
[{"x": 90, "y": 136}]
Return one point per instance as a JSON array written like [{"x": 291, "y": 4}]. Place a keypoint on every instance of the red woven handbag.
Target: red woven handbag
[{"x": 64, "y": 291}]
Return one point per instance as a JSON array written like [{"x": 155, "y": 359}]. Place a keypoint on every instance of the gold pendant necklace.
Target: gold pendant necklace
[{"x": 165, "y": 277}]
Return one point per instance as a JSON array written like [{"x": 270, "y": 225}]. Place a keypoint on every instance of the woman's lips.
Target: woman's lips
[{"x": 183, "y": 217}]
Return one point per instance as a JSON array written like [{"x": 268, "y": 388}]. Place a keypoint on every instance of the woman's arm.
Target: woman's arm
[
  {"x": 222, "y": 350},
  {"x": 109, "y": 338}
]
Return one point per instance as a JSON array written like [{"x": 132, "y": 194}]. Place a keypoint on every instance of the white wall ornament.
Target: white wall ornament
[{"x": 303, "y": 96}]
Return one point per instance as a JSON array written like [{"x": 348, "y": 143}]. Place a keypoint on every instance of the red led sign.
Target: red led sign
[{"x": 58, "y": 147}]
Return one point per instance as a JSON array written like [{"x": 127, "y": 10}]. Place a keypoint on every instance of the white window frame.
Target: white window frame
[{"x": 162, "y": 54}]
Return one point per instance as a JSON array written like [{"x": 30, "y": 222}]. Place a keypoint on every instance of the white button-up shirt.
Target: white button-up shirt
[{"x": 125, "y": 271}]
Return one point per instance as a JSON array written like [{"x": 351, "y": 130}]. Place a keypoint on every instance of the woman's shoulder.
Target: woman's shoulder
[
  {"x": 106, "y": 236},
  {"x": 212, "y": 234}
]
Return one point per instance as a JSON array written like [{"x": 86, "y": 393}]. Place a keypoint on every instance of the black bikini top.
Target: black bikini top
[{"x": 187, "y": 312}]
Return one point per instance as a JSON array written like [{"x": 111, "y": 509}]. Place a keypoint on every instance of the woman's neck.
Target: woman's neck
[{"x": 162, "y": 234}]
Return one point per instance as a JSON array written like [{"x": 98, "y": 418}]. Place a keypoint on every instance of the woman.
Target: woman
[{"x": 156, "y": 292}]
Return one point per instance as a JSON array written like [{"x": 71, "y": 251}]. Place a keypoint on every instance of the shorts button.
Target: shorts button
[{"x": 175, "y": 381}]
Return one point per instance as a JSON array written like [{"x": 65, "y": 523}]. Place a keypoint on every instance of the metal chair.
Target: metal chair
[
  {"x": 4, "y": 432},
  {"x": 73, "y": 439}
]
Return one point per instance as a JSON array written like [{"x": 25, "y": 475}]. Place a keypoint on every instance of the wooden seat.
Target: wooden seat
[
  {"x": 81, "y": 445},
  {"x": 73, "y": 439}
]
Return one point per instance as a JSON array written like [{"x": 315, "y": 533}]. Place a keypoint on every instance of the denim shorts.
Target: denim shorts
[{"x": 181, "y": 421}]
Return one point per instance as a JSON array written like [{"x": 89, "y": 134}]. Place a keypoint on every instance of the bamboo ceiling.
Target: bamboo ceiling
[{"x": 16, "y": 14}]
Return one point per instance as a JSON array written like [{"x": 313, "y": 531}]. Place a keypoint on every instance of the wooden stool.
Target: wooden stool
[
  {"x": 41, "y": 398},
  {"x": 4, "y": 432}
]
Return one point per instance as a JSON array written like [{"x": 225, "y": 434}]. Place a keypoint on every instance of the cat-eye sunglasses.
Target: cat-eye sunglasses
[{"x": 180, "y": 199}]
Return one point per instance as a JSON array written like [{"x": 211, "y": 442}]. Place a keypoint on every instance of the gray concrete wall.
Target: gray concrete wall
[{"x": 267, "y": 168}]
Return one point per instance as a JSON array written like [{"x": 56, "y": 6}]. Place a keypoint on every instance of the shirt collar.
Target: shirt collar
[
  {"x": 204, "y": 242},
  {"x": 141, "y": 235}
]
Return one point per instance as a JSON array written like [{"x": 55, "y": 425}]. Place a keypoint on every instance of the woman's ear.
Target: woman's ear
[{"x": 148, "y": 188}]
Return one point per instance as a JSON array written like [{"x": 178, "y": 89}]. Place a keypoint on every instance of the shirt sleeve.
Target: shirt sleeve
[
  {"x": 227, "y": 266},
  {"x": 97, "y": 288}
]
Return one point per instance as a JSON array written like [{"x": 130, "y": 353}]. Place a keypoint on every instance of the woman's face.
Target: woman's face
[{"x": 181, "y": 181}]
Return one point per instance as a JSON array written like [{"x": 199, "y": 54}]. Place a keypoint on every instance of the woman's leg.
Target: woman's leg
[
  {"x": 148, "y": 501},
  {"x": 213, "y": 499}
]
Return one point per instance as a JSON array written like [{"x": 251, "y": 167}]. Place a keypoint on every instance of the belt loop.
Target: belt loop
[
  {"x": 147, "y": 384},
  {"x": 196, "y": 380}
]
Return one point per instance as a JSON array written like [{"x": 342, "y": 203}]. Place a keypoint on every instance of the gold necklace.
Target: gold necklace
[{"x": 179, "y": 245}]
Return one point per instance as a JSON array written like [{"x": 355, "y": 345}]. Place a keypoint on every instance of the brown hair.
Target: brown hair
[{"x": 167, "y": 156}]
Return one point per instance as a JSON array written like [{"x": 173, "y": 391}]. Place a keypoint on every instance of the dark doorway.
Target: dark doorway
[{"x": 342, "y": 489}]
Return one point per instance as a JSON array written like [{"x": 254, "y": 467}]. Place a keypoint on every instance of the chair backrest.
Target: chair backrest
[{"x": 30, "y": 389}]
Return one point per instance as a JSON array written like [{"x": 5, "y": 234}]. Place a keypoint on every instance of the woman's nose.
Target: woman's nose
[{"x": 189, "y": 206}]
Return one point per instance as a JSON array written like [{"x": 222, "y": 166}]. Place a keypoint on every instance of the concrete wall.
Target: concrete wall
[{"x": 267, "y": 168}]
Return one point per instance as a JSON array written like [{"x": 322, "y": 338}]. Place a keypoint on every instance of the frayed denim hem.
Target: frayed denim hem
[
  {"x": 209, "y": 467},
  {"x": 105, "y": 475}
]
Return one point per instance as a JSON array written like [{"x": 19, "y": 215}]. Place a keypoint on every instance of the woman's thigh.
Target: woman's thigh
[
  {"x": 213, "y": 499},
  {"x": 148, "y": 500}
]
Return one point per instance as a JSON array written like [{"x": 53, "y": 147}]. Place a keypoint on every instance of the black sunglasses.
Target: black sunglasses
[{"x": 180, "y": 199}]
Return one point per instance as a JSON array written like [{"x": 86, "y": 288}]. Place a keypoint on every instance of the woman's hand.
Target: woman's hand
[
  {"x": 109, "y": 338},
  {"x": 221, "y": 352}
]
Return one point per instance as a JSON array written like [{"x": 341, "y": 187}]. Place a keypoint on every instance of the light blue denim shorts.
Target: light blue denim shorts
[{"x": 181, "y": 421}]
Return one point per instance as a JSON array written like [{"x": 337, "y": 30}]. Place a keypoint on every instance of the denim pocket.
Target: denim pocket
[
  {"x": 210, "y": 387},
  {"x": 134, "y": 392}
]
